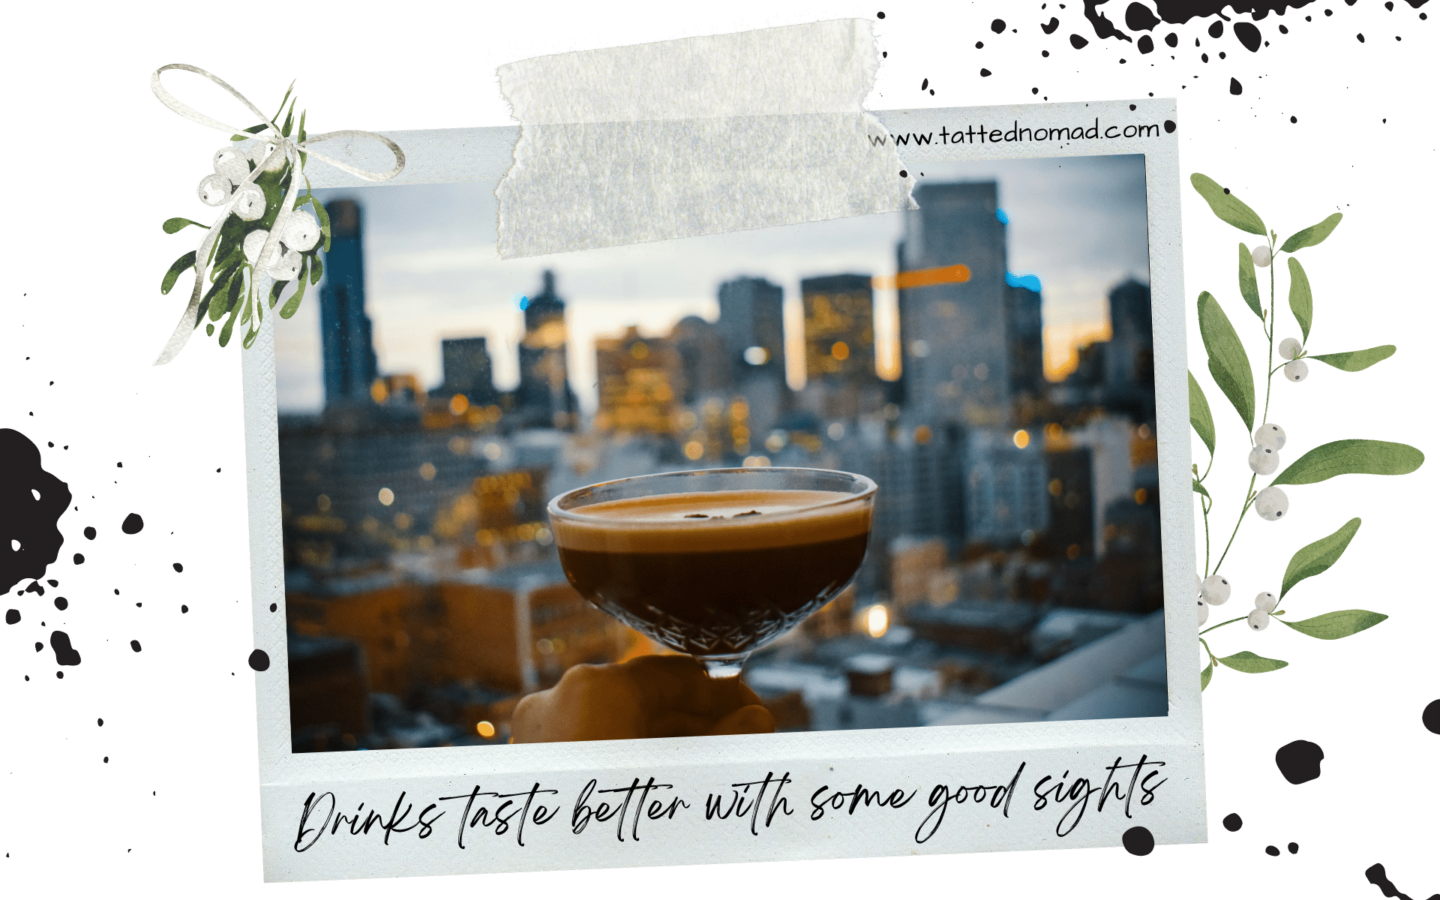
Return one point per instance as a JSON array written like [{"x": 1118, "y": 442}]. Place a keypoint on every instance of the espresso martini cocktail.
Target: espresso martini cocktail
[{"x": 715, "y": 563}]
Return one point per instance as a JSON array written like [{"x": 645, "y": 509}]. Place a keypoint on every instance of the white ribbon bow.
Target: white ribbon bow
[{"x": 282, "y": 145}]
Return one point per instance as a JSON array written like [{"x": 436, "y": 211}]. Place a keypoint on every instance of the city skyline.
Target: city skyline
[{"x": 430, "y": 275}]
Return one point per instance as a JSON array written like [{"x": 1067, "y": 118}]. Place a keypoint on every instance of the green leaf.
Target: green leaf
[
  {"x": 178, "y": 266},
  {"x": 226, "y": 330},
  {"x": 1351, "y": 457},
  {"x": 293, "y": 303},
  {"x": 1229, "y": 365},
  {"x": 283, "y": 101},
  {"x": 1355, "y": 360},
  {"x": 1335, "y": 625},
  {"x": 1249, "y": 289},
  {"x": 250, "y": 338},
  {"x": 1227, "y": 206},
  {"x": 289, "y": 120},
  {"x": 217, "y": 308},
  {"x": 1301, "y": 302},
  {"x": 1205, "y": 675},
  {"x": 1315, "y": 558},
  {"x": 249, "y": 133},
  {"x": 173, "y": 225},
  {"x": 1200, "y": 418},
  {"x": 209, "y": 329},
  {"x": 275, "y": 293},
  {"x": 1245, "y": 661},
  {"x": 322, "y": 216},
  {"x": 1199, "y": 488},
  {"x": 317, "y": 268},
  {"x": 1311, "y": 236}
]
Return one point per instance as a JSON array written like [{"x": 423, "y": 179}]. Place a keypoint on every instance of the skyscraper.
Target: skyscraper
[
  {"x": 346, "y": 345},
  {"x": 954, "y": 346},
  {"x": 466, "y": 367},
  {"x": 1130, "y": 356},
  {"x": 638, "y": 378},
  {"x": 544, "y": 397},
  {"x": 1025, "y": 333},
  {"x": 840, "y": 378},
  {"x": 752, "y": 321}
]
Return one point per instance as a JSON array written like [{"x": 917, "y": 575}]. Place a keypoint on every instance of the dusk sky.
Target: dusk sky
[{"x": 432, "y": 272}]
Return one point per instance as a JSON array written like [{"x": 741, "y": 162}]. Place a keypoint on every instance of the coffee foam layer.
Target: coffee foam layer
[{"x": 732, "y": 520}]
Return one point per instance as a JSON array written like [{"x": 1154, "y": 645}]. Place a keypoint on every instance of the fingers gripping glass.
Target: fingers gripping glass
[{"x": 719, "y": 562}]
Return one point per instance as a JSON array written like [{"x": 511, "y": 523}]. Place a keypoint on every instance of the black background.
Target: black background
[{"x": 95, "y": 164}]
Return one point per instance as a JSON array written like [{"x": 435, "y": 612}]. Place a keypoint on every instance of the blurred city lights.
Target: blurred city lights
[{"x": 877, "y": 620}]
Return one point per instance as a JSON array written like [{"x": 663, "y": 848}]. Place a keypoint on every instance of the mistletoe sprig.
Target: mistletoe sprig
[
  {"x": 234, "y": 271},
  {"x": 1231, "y": 371}
]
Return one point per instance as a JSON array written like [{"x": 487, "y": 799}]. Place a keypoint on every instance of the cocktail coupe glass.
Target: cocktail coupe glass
[{"x": 715, "y": 563}]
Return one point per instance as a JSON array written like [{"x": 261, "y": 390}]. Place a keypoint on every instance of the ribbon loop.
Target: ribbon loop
[{"x": 284, "y": 146}]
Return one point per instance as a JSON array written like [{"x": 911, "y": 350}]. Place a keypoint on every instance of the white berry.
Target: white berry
[
  {"x": 1270, "y": 436},
  {"x": 1264, "y": 461},
  {"x": 1261, "y": 255},
  {"x": 1290, "y": 348},
  {"x": 214, "y": 190},
  {"x": 1258, "y": 620},
  {"x": 302, "y": 232},
  {"x": 1266, "y": 601},
  {"x": 1296, "y": 370},
  {"x": 254, "y": 243},
  {"x": 249, "y": 202},
  {"x": 1215, "y": 590},
  {"x": 1204, "y": 609},
  {"x": 1271, "y": 504},
  {"x": 287, "y": 268},
  {"x": 232, "y": 164}
]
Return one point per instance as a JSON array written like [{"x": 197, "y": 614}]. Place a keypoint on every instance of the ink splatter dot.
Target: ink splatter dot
[
  {"x": 12, "y": 616},
  {"x": 1217, "y": 29},
  {"x": 1293, "y": 847},
  {"x": 79, "y": 558},
  {"x": 1235, "y": 87},
  {"x": 61, "y": 603},
  {"x": 39, "y": 646},
  {"x": 107, "y": 759},
  {"x": 1050, "y": 26},
  {"x": 59, "y": 674},
  {"x": 1431, "y": 717},
  {"x": 998, "y": 26},
  {"x": 1078, "y": 42},
  {"x": 925, "y": 83},
  {"x": 984, "y": 73},
  {"x": 65, "y": 655},
  {"x": 89, "y": 533},
  {"x": 1232, "y": 822},
  {"x": 1248, "y": 36},
  {"x": 904, "y": 174},
  {"x": 1272, "y": 850},
  {"x": 273, "y": 607},
  {"x": 1172, "y": 39},
  {"x": 1169, "y": 127},
  {"x": 135, "y": 645},
  {"x": 1299, "y": 761},
  {"x": 184, "y": 608},
  {"x": 132, "y": 524},
  {"x": 1138, "y": 17},
  {"x": 878, "y": 15},
  {"x": 100, "y": 722},
  {"x": 1145, "y": 44},
  {"x": 33, "y": 500},
  {"x": 1138, "y": 840},
  {"x": 1360, "y": 38},
  {"x": 1293, "y": 120},
  {"x": 178, "y": 567},
  {"x": 259, "y": 660}
]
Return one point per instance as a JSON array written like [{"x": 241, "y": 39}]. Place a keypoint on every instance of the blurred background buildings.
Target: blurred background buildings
[{"x": 1014, "y": 569}]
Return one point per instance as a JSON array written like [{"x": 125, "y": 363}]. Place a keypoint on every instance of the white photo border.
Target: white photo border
[{"x": 910, "y": 759}]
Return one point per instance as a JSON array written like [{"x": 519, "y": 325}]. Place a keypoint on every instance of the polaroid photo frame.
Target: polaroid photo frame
[{"x": 993, "y": 784}]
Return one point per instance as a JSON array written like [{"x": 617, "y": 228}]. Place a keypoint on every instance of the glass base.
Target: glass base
[{"x": 724, "y": 666}]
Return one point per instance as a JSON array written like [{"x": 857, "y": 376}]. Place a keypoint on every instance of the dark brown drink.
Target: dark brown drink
[{"x": 714, "y": 573}]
